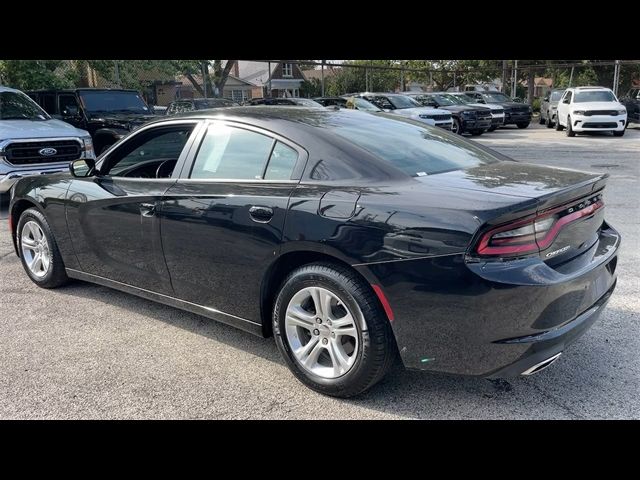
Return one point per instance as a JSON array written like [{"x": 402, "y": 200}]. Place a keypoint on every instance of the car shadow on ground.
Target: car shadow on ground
[{"x": 412, "y": 394}]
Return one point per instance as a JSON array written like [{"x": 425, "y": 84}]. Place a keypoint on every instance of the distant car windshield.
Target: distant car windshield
[
  {"x": 402, "y": 101},
  {"x": 17, "y": 106},
  {"x": 204, "y": 103},
  {"x": 455, "y": 100},
  {"x": 101, "y": 101},
  {"x": 555, "y": 96},
  {"x": 306, "y": 102},
  {"x": 417, "y": 151},
  {"x": 464, "y": 98},
  {"x": 495, "y": 97},
  {"x": 362, "y": 104},
  {"x": 594, "y": 96}
]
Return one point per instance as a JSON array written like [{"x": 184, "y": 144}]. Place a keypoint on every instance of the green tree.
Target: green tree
[{"x": 35, "y": 74}]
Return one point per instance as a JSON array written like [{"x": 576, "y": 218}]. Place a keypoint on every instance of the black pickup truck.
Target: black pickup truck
[
  {"x": 107, "y": 114},
  {"x": 632, "y": 102}
]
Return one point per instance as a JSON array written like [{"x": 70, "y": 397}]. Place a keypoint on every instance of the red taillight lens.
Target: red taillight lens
[{"x": 534, "y": 233}]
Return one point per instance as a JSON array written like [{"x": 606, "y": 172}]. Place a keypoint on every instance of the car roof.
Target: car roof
[
  {"x": 8, "y": 89},
  {"x": 588, "y": 88},
  {"x": 83, "y": 89}
]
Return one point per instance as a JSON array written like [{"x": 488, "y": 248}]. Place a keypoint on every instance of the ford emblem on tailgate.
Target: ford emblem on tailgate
[{"x": 47, "y": 152}]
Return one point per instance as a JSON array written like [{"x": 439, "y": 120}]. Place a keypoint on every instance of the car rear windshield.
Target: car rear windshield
[
  {"x": 17, "y": 106},
  {"x": 113, "y": 101},
  {"x": 412, "y": 148},
  {"x": 594, "y": 96}
]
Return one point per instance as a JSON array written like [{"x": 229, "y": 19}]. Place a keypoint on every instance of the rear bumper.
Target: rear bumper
[{"x": 494, "y": 318}]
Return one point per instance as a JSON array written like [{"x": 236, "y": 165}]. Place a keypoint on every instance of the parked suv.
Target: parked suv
[
  {"x": 474, "y": 120},
  {"x": 514, "y": 112},
  {"x": 591, "y": 109},
  {"x": 497, "y": 111},
  {"x": 408, "y": 107},
  {"x": 549, "y": 106},
  {"x": 632, "y": 103},
  {"x": 33, "y": 143},
  {"x": 107, "y": 114}
]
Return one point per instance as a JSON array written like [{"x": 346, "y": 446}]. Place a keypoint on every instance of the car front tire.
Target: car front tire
[
  {"x": 619, "y": 134},
  {"x": 549, "y": 122},
  {"x": 456, "y": 127},
  {"x": 39, "y": 252},
  {"x": 522, "y": 125},
  {"x": 570, "y": 131},
  {"x": 331, "y": 330},
  {"x": 558, "y": 126}
]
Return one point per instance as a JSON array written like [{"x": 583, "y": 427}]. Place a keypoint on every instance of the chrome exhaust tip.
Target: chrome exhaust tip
[{"x": 538, "y": 367}]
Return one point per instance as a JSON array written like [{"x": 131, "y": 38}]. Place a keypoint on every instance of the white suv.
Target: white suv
[{"x": 591, "y": 109}]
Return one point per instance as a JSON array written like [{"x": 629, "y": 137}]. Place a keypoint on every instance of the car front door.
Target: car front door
[
  {"x": 113, "y": 217},
  {"x": 222, "y": 221},
  {"x": 563, "y": 107}
]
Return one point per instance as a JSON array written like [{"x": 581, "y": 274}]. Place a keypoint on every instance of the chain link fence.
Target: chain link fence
[{"x": 162, "y": 81}]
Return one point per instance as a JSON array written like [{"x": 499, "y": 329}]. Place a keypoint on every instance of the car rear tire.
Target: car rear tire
[
  {"x": 456, "y": 127},
  {"x": 542, "y": 120},
  {"x": 342, "y": 347},
  {"x": 619, "y": 134},
  {"x": 570, "y": 132},
  {"x": 522, "y": 125},
  {"x": 549, "y": 122},
  {"x": 39, "y": 252},
  {"x": 492, "y": 128}
]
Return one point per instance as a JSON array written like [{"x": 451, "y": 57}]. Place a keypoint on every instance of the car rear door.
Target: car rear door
[
  {"x": 113, "y": 218},
  {"x": 222, "y": 221}
]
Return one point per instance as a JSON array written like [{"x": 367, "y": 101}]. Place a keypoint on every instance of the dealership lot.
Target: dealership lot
[{"x": 85, "y": 351}]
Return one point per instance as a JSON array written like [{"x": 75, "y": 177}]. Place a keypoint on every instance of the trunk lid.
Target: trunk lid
[{"x": 571, "y": 198}]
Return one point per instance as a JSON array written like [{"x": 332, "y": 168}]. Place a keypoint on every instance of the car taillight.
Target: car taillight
[{"x": 534, "y": 233}]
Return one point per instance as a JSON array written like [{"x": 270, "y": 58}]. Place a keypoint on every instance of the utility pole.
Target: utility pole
[
  {"x": 515, "y": 79},
  {"x": 504, "y": 76},
  {"x": 204, "y": 79},
  {"x": 116, "y": 71},
  {"x": 571, "y": 76},
  {"x": 269, "y": 79},
  {"x": 322, "y": 76},
  {"x": 616, "y": 77}
]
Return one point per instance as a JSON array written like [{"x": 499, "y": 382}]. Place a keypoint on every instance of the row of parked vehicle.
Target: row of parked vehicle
[{"x": 590, "y": 109}]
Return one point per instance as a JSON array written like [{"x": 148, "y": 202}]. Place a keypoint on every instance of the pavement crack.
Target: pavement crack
[{"x": 557, "y": 403}]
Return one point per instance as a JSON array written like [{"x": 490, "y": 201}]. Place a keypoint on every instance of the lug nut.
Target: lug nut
[
  {"x": 325, "y": 341},
  {"x": 329, "y": 322},
  {"x": 318, "y": 320},
  {"x": 333, "y": 334},
  {"x": 316, "y": 332}
]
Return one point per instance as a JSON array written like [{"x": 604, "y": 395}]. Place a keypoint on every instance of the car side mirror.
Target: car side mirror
[
  {"x": 545, "y": 99},
  {"x": 85, "y": 167},
  {"x": 70, "y": 111}
]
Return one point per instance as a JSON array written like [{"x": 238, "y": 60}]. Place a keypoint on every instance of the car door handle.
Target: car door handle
[
  {"x": 260, "y": 214},
  {"x": 148, "y": 209}
]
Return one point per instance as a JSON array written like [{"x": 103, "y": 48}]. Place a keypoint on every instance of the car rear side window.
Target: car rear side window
[
  {"x": 281, "y": 163},
  {"x": 232, "y": 153},
  {"x": 412, "y": 148}
]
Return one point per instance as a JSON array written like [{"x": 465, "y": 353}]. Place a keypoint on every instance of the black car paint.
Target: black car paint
[
  {"x": 413, "y": 237},
  {"x": 514, "y": 112},
  {"x": 467, "y": 123},
  {"x": 106, "y": 128},
  {"x": 632, "y": 103}
]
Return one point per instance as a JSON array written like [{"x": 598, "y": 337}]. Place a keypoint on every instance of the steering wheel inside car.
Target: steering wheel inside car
[{"x": 165, "y": 169}]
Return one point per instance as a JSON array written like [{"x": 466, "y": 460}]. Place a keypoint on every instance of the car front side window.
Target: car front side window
[{"x": 150, "y": 154}]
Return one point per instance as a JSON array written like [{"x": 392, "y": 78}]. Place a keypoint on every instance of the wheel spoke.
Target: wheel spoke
[
  {"x": 28, "y": 242},
  {"x": 308, "y": 354},
  {"x": 339, "y": 360},
  {"x": 343, "y": 322},
  {"x": 300, "y": 317},
  {"x": 34, "y": 261},
  {"x": 37, "y": 233},
  {"x": 347, "y": 332}
]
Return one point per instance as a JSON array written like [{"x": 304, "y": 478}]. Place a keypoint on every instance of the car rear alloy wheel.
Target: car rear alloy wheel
[
  {"x": 332, "y": 330},
  {"x": 35, "y": 249},
  {"x": 549, "y": 122},
  {"x": 38, "y": 250},
  {"x": 321, "y": 332}
]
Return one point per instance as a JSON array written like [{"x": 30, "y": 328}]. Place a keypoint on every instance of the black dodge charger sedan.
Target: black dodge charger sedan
[{"x": 354, "y": 239}]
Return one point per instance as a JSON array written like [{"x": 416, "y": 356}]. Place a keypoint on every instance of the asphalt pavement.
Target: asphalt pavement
[{"x": 85, "y": 351}]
